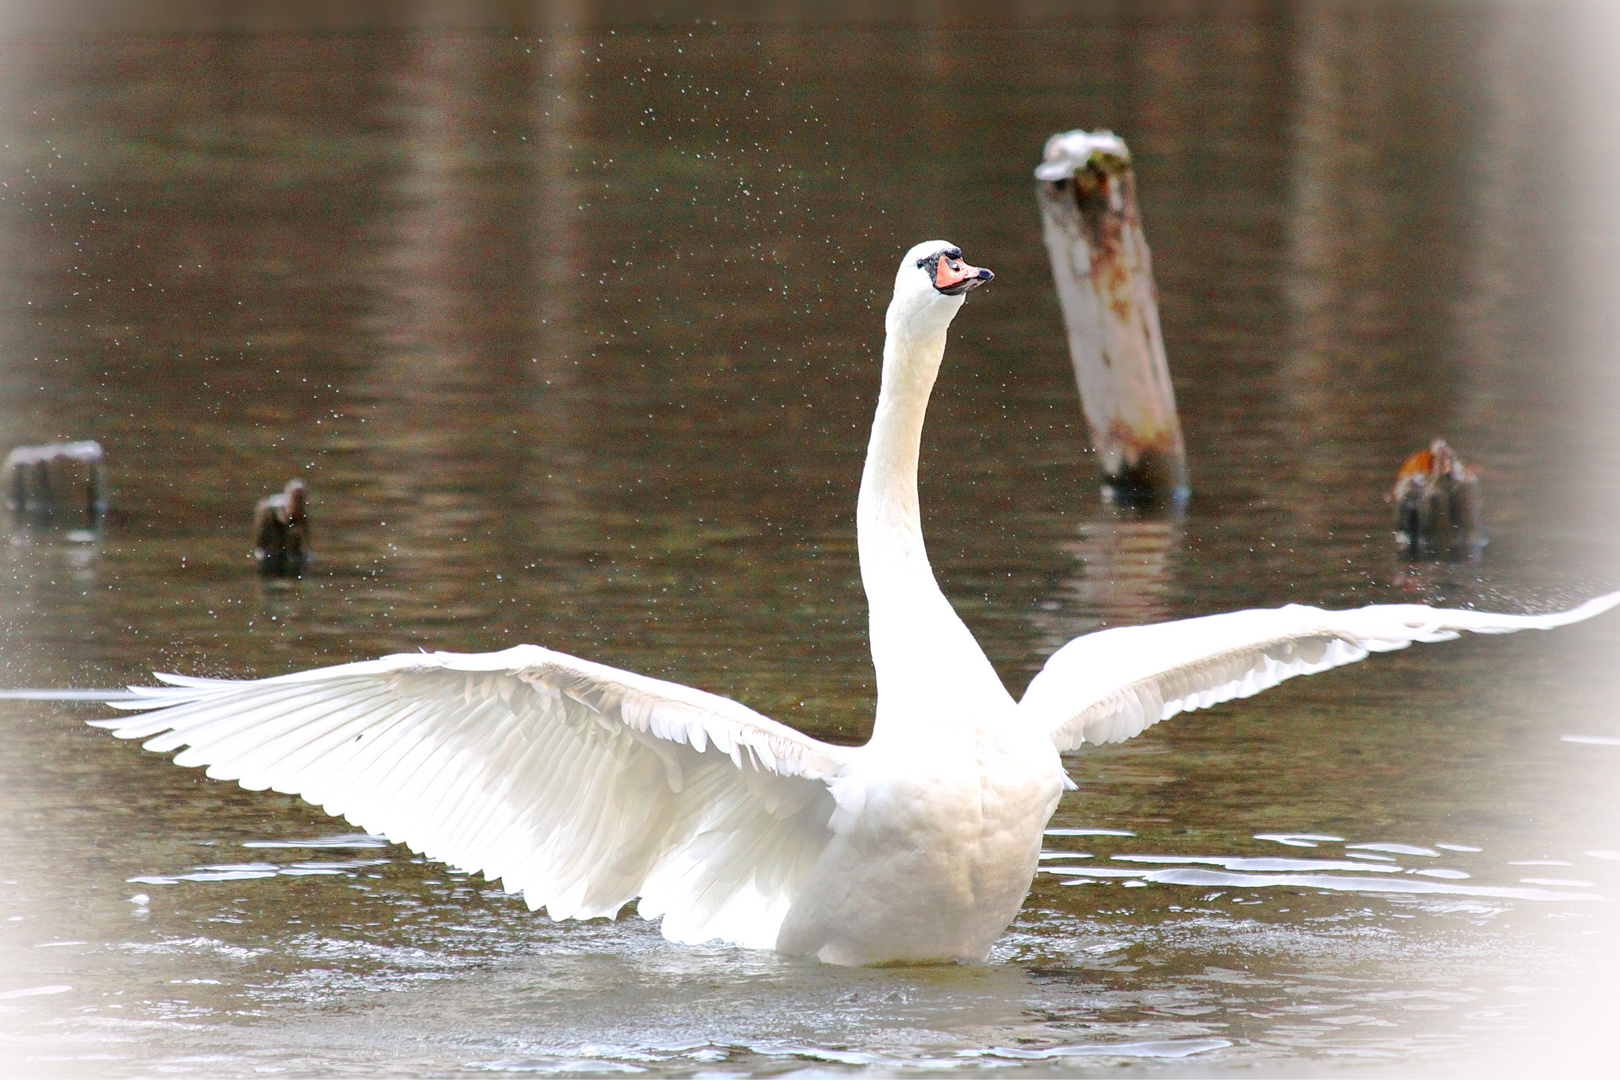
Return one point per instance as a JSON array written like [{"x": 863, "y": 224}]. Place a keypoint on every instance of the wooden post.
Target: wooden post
[
  {"x": 62, "y": 483},
  {"x": 281, "y": 531},
  {"x": 1086, "y": 189},
  {"x": 1437, "y": 507}
]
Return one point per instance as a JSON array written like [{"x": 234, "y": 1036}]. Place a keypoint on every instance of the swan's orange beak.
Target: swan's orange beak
[{"x": 953, "y": 277}]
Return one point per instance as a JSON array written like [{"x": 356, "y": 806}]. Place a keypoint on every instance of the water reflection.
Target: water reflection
[
  {"x": 1123, "y": 577},
  {"x": 456, "y": 282},
  {"x": 1378, "y": 873}
]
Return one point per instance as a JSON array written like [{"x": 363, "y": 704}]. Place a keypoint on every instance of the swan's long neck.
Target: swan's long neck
[
  {"x": 926, "y": 659},
  {"x": 888, "y": 523}
]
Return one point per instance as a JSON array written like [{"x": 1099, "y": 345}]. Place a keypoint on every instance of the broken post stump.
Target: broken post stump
[
  {"x": 1438, "y": 510},
  {"x": 281, "y": 531},
  {"x": 1086, "y": 189},
  {"x": 58, "y": 483}
]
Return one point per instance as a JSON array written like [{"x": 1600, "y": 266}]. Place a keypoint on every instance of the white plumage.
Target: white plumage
[
  {"x": 1112, "y": 684},
  {"x": 584, "y": 787},
  {"x": 581, "y": 786}
]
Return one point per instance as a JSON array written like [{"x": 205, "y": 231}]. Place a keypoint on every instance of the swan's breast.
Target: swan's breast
[
  {"x": 935, "y": 848},
  {"x": 968, "y": 801},
  {"x": 1020, "y": 782}
]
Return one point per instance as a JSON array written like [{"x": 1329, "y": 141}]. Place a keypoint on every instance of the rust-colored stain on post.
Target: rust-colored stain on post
[{"x": 1086, "y": 190}]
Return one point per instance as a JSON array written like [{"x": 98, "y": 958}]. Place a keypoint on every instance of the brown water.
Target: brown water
[{"x": 573, "y": 336}]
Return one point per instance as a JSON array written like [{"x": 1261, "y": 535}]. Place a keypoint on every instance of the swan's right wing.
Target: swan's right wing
[
  {"x": 1111, "y": 685},
  {"x": 579, "y": 785}
]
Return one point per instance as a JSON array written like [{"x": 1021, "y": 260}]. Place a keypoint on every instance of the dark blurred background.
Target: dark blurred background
[{"x": 570, "y": 320}]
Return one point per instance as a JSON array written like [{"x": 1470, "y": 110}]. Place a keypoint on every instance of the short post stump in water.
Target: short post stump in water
[
  {"x": 60, "y": 483},
  {"x": 1438, "y": 510},
  {"x": 281, "y": 531}
]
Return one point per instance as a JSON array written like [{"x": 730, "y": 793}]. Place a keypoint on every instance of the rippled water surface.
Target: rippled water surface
[{"x": 573, "y": 336}]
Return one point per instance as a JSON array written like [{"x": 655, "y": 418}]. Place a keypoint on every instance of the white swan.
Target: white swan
[{"x": 584, "y": 787}]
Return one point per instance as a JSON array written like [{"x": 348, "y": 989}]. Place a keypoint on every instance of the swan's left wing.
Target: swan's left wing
[
  {"x": 1111, "y": 685},
  {"x": 578, "y": 784}
]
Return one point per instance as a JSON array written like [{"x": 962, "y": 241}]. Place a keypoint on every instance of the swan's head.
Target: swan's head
[{"x": 929, "y": 288}]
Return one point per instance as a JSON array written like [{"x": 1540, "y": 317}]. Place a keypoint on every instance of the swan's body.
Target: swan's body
[{"x": 585, "y": 787}]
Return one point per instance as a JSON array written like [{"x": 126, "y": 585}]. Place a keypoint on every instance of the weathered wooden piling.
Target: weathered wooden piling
[
  {"x": 1086, "y": 189},
  {"x": 281, "y": 531},
  {"x": 58, "y": 483},
  {"x": 1438, "y": 510}
]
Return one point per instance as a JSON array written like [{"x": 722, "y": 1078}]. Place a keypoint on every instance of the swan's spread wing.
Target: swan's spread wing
[
  {"x": 1110, "y": 685},
  {"x": 577, "y": 784}
]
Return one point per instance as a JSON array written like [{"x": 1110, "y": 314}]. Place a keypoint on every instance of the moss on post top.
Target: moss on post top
[{"x": 1068, "y": 152}]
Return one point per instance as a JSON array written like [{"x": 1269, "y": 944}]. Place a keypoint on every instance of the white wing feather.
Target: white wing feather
[
  {"x": 579, "y": 785},
  {"x": 1111, "y": 685}
]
